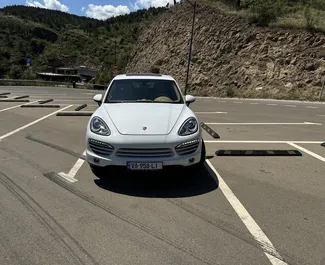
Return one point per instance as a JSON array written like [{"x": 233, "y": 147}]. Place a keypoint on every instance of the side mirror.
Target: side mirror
[
  {"x": 189, "y": 99},
  {"x": 98, "y": 98}
]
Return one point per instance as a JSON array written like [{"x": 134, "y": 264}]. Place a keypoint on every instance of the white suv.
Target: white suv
[{"x": 144, "y": 123}]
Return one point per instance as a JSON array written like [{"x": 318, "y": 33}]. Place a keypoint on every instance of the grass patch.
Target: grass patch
[{"x": 309, "y": 16}]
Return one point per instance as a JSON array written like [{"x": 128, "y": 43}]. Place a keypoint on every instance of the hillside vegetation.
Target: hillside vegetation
[
  {"x": 53, "y": 39},
  {"x": 232, "y": 56},
  {"x": 307, "y": 14}
]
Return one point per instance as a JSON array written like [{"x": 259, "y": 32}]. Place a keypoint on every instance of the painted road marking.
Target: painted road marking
[
  {"x": 272, "y": 104},
  {"x": 236, "y": 102},
  {"x": 32, "y": 123},
  {"x": 292, "y": 106},
  {"x": 74, "y": 170},
  {"x": 263, "y": 123},
  {"x": 211, "y": 112},
  {"x": 311, "y": 107},
  {"x": 17, "y": 106},
  {"x": 321, "y": 115},
  {"x": 269, "y": 250},
  {"x": 262, "y": 142},
  {"x": 307, "y": 151}
]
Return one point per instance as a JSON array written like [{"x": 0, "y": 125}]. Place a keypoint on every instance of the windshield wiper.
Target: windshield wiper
[
  {"x": 144, "y": 100},
  {"x": 114, "y": 101}
]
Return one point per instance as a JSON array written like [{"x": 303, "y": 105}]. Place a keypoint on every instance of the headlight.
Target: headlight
[
  {"x": 190, "y": 126},
  {"x": 98, "y": 126}
]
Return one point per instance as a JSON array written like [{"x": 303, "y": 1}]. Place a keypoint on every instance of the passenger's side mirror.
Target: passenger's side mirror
[
  {"x": 189, "y": 99},
  {"x": 98, "y": 98}
]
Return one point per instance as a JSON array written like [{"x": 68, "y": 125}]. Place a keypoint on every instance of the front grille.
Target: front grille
[
  {"x": 187, "y": 148},
  {"x": 146, "y": 153},
  {"x": 100, "y": 148}
]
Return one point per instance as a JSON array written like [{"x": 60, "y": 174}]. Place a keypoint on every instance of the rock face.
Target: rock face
[{"x": 230, "y": 57}]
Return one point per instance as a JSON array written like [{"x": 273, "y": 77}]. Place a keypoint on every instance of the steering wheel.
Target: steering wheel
[{"x": 163, "y": 98}]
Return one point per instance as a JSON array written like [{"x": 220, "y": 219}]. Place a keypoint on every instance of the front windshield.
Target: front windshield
[{"x": 144, "y": 90}]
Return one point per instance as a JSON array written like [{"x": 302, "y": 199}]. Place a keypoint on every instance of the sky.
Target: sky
[{"x": 100, "y": 9}]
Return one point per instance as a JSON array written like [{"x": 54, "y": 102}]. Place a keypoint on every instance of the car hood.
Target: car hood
[{"x": 144, "y": 118}]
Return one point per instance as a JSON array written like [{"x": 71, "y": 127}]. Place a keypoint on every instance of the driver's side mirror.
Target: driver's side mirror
[
  {"x": 189, "y": 99},
  {"x": 98, "y": 98}
]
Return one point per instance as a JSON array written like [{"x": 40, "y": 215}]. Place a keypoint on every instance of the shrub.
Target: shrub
[{"x": 266, "y": 11}]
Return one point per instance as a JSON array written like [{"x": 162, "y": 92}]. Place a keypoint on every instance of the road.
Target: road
[{"x": 239, "y": 210}]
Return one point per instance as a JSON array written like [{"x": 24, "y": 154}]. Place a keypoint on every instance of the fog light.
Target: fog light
[
  {"x": 96, "y": 160},
  {"x": 191, "y": 160}
]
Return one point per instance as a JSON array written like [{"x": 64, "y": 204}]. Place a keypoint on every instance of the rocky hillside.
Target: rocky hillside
[{"x": 231, "y": 57}]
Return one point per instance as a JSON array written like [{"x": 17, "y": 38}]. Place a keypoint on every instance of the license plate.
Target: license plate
[{"x": 144, "y": 165}]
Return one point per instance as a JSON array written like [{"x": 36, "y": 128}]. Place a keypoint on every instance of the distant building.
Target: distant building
[{"x": 66, "y": 74}]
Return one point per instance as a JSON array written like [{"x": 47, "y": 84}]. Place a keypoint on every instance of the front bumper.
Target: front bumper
[{"x": 151, "y": 142}]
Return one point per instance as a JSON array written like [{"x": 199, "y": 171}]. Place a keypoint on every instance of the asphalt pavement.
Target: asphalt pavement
[{"x": 248, "y": 209}]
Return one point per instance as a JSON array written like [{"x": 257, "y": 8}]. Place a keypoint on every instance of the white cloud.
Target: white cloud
[
  {"x": 106, "y": 11},
  {"x": 153, "y": 3},
  {"x": 83, "y": 9},
  {"x": 49, "y": 4}
]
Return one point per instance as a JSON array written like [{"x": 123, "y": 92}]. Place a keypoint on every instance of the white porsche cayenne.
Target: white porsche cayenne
[{"x": 143, "y": 122}]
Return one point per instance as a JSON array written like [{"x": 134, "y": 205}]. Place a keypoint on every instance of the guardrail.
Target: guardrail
[{"x": 21, "y": 82}]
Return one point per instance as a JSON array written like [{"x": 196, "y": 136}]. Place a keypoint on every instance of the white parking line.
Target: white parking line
[
  {"x": 31, "y": 123},
  {"x": 311, "y": 107},
  {"x": 321, "y": 115},
  {"x": 269, "y": 250},
  {"x": 292, "y": 106},
  {"x": 74, "y": 170},
  {"x": 272, "y": 104},
  {"x": 208, "y": 112},
  {"x": 262, "y": 142},
  {"x": 17, "y": 106},
  {"x": 263, "y": 123},
  {"x": 307, "y": 151}
]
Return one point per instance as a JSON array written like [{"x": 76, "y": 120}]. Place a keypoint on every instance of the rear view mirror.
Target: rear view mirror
[
  {"x": 98, "y": 98},
  {"x": 189, "y": 99}
]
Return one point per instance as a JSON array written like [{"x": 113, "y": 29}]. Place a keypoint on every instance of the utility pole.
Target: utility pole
[
  {"x": 190, "y": 48},
  {"x": 115, "y": 51}
]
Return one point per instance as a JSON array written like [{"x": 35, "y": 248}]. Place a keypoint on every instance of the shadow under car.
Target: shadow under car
[{"x": 169, "y": 183}]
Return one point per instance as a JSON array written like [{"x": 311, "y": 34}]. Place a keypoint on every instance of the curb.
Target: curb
[
  {"x": 258, "y": 153},
  {"x": 14, "y": 100},
  {"x": 84, "y": 114},
  {"x": 21, "y": 97},
  {"x": 210, "y": 131},
  {"x": 81, "y": 107},
  {"x": 40, "y": 106},
  {"x": 45, "y": 101}
]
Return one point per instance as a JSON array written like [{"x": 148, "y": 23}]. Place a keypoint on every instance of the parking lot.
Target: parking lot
[{"x": 263, "y": 209}]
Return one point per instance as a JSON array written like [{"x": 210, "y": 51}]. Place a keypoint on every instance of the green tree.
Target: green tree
[{"x": 15, "y": 72}]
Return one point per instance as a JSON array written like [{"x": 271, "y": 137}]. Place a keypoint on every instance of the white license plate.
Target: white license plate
[{"x": 144, "y": 165}]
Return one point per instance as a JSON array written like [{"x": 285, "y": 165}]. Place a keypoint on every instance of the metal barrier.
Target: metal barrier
[{"x": 21, "y": 82}]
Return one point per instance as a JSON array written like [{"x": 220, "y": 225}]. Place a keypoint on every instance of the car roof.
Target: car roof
[{"x": 143, "y": 76}]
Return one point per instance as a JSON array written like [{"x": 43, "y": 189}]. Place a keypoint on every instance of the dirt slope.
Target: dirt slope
[{"x": 231, "y": 57}]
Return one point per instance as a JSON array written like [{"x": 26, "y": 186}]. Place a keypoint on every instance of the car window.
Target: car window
[{"x": 142, "y": 90}]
